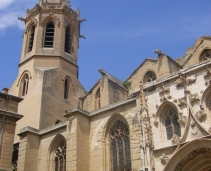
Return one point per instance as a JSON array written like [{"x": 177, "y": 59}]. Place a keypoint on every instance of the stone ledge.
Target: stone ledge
[
  {"x": 176, "y": 74},
  {"x": 96, "y": 112},
  {"x": 11, "y": 114},
  {"x": 43, "y": 131},
  {"x": 112, "y": 106}
]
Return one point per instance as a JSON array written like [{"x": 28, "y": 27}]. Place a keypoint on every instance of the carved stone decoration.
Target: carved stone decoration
[
  {"x": 207, "y": 83},
  {"x": 34, "y": 20},
  {"x": 157, "y": 106},
  {"x": 159, "y": 52},
  {"x": 194, "y": 128},
  {"x": 181, "y": 81},
  {"x": 191, "y": 79},
  {"x": 164, "y": 90},
  {"x": 200, "y": 115},
  {"x": 182, "y": 119},
  {"x": 163, "y": 99},
  {"x": 71, "y": 118},
  {"x": 175, "y": 100},
  {"x": 210, "y": 129},
  {"x": 207, "y": 73},
  {"x": 164, "y": 159},
  {"x": 193, "y": 97},
  {"x": 192, "y": 154},
  {"x": 52, "y": 6},
  {"x": 182, "y": 101},
  {"x": 147, "y": 130},
  {"x": 52, "y": 16},
  {"x": 156, "y": 122},
  {"x": 33, "y": 10},
  {"x": 67, "y": 22},
  {"x": 178, "y": 168},
  {"x": 176, "y": 139}
]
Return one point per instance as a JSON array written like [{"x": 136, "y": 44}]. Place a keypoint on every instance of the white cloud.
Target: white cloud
[
  {"x": 5, "y": 3},
  {"x": 10, "y": 19}
]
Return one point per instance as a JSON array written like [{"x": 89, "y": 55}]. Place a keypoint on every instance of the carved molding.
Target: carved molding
[
  {"x": 191, "y": 79},
  {"x": 147, "y": 130},
  {"x": 182, "y": 119},
  {"x": 181, "y": 80},
  {"x": 192, "y": 154},
  {"x": 53, "y": 17},
  {"x": 164, "y": 90},
  {"x": 164, "y": 159},
  {"x": 67, "y": 22},
  {"x": 71, "y": 118},
  {"x": 200, "y": 115},
  {"x": 207, "y": 83},
  {"x": 51, "y": 6},
  {"x": 33, "y": 10},
  {"x": 207, "y": 73},
  {"x": 178, "y": 168},
  {"x": 194, "y": 128},
  {"x": 193, "y": 97},
  {"x": 182, "y": 101},
  {"x": 176, "y": 139}
]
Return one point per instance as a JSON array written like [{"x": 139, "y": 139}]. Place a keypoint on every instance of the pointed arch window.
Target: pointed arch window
[
  {"x": 60, "y": 156},
  {"x": 68, "y": 39},
  {"x": 97, "y": 99},
  {"x": 25, "y": 84},
  {"x": 31, "y": 39},
  {"x": 120, "y": 147},
  {"x": 171, "y": 123},
  {"x": 49, "y": 35},
  {"x": 149, "y": 77},
  {"x": 66, "y": 88}
]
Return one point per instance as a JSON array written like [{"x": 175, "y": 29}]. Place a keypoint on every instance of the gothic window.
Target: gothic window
[
  {"x": 49, "y": 35},
  {"x": 206, "y": 54},
  {"x": 149, "y": 77},
  {"x": 97, "y": 99},
  {"x": 60, "y": 156},
  {"x": 31, "y": 39},
  {"x": 25, "y": 84},
  {"x": 120, "y": 147},
  {"x": 68, "y": 40},
  {"x": 171, "y": 124},
  {"x": 66, "y": 88}
]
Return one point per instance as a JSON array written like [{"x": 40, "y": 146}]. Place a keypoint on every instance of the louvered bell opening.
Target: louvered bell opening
[
  {"x": 31, "y": 39},
  {"x": 49, "y": 35},
  {"x": 67, "y": 40}
]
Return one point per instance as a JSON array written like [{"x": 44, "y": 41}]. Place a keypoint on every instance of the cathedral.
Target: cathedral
[{"x": 158, "y": 119}]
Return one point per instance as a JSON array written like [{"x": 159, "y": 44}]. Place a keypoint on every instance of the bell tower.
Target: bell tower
[{"x": 48, "y": 70}]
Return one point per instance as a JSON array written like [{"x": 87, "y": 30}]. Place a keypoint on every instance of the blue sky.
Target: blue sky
[{"x": 119, "y": 34}]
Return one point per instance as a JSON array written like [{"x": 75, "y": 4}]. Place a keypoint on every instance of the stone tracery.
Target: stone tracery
[
  {"x": 120, "y": 147},
  {"x": 60, "y": 156}
]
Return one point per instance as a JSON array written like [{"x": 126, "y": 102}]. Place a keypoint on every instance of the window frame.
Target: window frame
[
  {"x": 125, "y": 151},
  {"x": 45, "y": 31}
]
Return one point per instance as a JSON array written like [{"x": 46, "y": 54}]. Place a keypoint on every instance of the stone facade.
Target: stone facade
[
  {"x": 158, "y": 119},
  {"x": 8, "y": 119}
]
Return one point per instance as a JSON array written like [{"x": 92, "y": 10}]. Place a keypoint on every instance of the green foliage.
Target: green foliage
[{"x": 126, "y": 84}]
